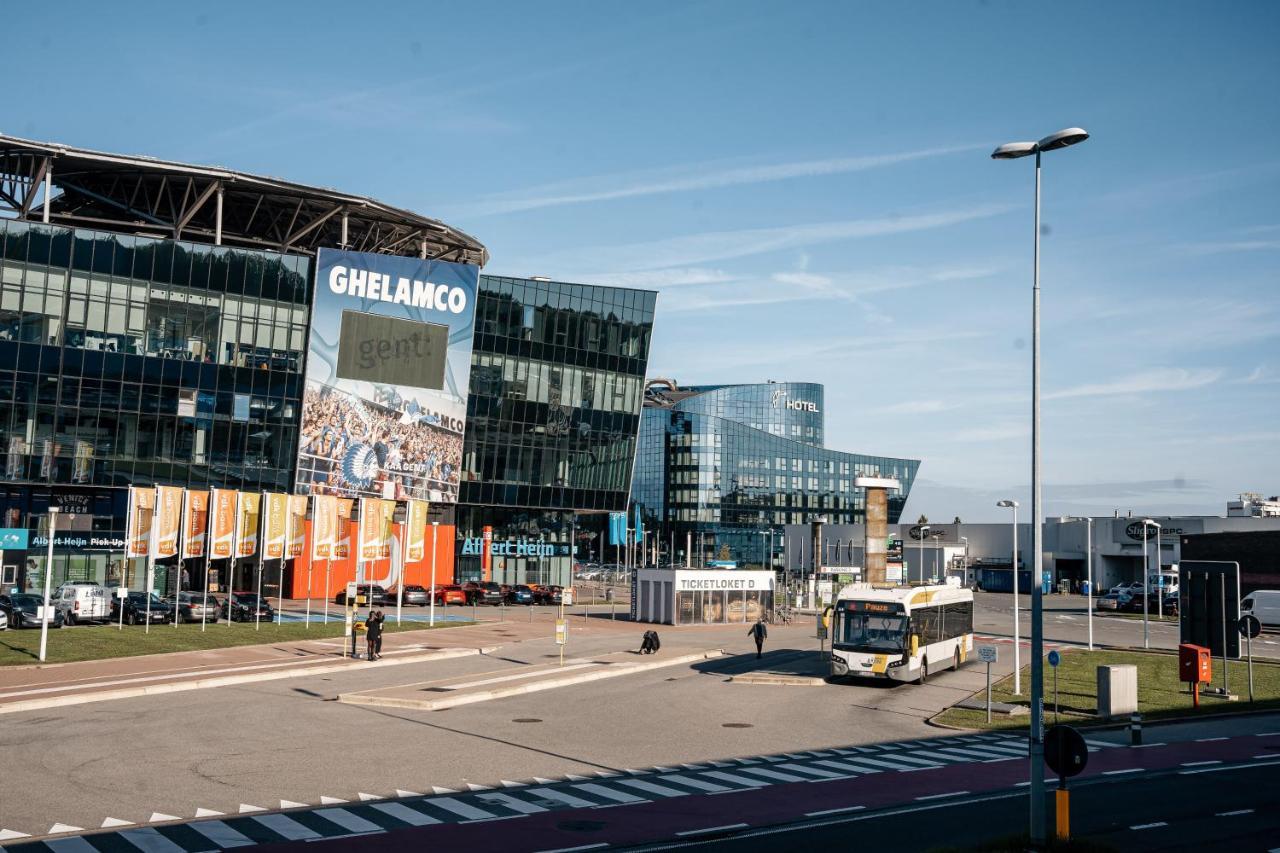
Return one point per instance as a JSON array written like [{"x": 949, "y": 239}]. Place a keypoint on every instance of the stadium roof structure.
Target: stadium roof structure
[{"x": 210, "y": 204}]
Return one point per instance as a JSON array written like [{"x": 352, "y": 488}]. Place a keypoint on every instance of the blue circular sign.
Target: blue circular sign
[{"x": 1054, "y": 658}]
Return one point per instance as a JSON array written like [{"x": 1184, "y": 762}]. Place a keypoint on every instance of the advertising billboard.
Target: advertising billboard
[{"x": 388, "y": 366}]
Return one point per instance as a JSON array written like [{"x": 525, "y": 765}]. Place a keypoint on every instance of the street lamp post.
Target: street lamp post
[
  {"x": 924, "y": 529},
  {"x": 1146, "y": 580},
  {"x": 965, "y": 540},
  {"x": 1017, "y": 643},
  {"x": 48, "y": 579},
  {"x": 1011, "y": 151},
  {"x": 1088, "y": 554}
]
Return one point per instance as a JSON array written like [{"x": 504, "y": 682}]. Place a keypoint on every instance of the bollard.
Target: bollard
[
  {"x": 502, "y": 611},
  {"x": 1135, "y": 729},
  {"x": 530, "y": 615}
]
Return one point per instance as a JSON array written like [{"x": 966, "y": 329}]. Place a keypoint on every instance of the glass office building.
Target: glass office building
[
  {"x": 557, "y": 378},
  {"x": 717, "y": 466},
  {"x": 153, "y": 327}
]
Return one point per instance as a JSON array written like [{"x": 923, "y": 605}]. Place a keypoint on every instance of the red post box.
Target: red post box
[{"x": 1194, "y": 666}]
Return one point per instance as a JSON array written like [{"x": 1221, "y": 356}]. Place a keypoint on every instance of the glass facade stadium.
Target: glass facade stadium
[
  {"x": 557, "y": 377},
  {"x": 726, "y": 463},
  {"x": 128, "y": 360}
]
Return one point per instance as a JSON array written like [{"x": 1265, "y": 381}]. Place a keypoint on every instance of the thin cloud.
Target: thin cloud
[
  {"x": 917, "y": 407},
  {"x": 1164, "y": 379},
  {"x": 699, "y": 177},
  {"x": 712, "y": 246},
  {"x": 1233, "y": 246},
  {"x": 998, "y": 432}
]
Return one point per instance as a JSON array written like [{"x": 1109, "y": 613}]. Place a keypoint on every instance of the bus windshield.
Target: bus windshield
[{"x": 871, "y": 632}]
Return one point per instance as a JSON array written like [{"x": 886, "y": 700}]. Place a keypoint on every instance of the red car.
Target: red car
[{"x": 451, "y": 594}]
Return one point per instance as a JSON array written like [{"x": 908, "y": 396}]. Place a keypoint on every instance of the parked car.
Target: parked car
[
  {"x": 490, "y": 593},
  {"x": 450, "y": 594},
  {"x": 191, "y": 607},
  {"x": 136, "y": 608},
  {"x": 22, "y": 610},
  {"x": 374, "y": 596},
  {"x": 1264, "y": 605},
  {"x": 412, "y": 594},
  {"x": 555, "y": 594},
  {"x": 1113, "y": 601},
  {"x": 471, "y": 589},
  {"x": 1128, "y": 587},
  {"x": 520, "y": 594},
  {"x": 246, "y": 607},
  {"x": 82, "y": 601}
]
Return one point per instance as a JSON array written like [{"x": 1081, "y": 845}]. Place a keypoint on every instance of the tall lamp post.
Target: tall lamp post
[
  {"x": 965, "y": 540},
  {"x": 1017, "y": 642},
  {"x": 924, "y": 529},
  {"x": 48, "y": 579},
  {"x": 1146, "y": 580},
  {"x": 1012, "y": 151}
]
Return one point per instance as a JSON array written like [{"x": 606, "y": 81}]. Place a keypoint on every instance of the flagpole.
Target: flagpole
[
  {"x": 263, "y": 532},
  {"x": 208, "y": 546},
  {"x": 404, "y": 562},
  {"x": 435, "y": 531},
  {"x": 151, "y": 562}
]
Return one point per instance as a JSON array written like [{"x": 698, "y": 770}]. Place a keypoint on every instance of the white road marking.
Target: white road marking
[
  {"x": 513, "y": 676},
  {"x": 400, "y": 792},
  {"x": 347, "y": 820},
  {"x": 968, "y": 753},
  {"x": 1101, "y": 744},
  {"x": 1234, "y": 813},
  {"x": 1150, "y": 825},
  {"x": 911, "y": 759},
  {"x": 286, "y": 826},
  {"x": 568, "y": 799},
  {"x": 939, "y": 796},
  {"x": 1198, "y": 763},
  {"x": 11, "y": 834},
  {"x": 712, "y": 829},
  {"x": 458, "y": 807},
  {"x": 737, "y": 780},
  {"x": 436, "y": 789},
  {"x": 846, "y": 767},
  {"x": 115, "y": 821},
  {"x": 221, "y": 834},
  {"x": 650, "y": 788},
  {"x": 403, "y": 812},
  {"x": 149, "y": 840},
  {"x": 512, "y": 803},
  {"x": 773, "y": 774},
  {"x": 245, "y": 808},
  {"x": 74, "y": 844},
  {"x": 208, "y": 813},
  {"x": 575, "y": 849},
  {"x": 331, "y": 801},
  {"x": 1126, "y": 770},
  {"x": 874, "y": 762},
  {"x": 364, "y": 798},
  {"x": 812, "y": 771},
  {"x": 63, "y": 827},
  {"x": 608, "y": 793},
  {"x": 1208, "y": 739},
  {"x": 834, "y": 811},
  {"x": 694, "y": 783},
  {"x": 291, "y": 804},
  {"x": 160, "y": 817}
]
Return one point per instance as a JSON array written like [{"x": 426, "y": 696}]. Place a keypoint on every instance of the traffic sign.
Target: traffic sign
[
  {"x": 1054, "y": 658},
  {"x": 988, "y": 654},
  {"x": 1249, "y": 626},
  {"x": 562, "y": 632},
  {"x": 1065, "y": 751}
]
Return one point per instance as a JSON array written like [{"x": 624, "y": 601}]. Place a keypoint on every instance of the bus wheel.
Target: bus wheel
[
  {"x": 924, "y": 670},
  {"x": 955, "y": 663}
]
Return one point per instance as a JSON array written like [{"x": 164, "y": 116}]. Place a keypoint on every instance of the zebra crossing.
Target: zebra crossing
[{"x": 335, "y": 817}]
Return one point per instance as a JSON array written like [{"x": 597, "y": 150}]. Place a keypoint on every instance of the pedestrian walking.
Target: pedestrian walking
[
  {"x": 758, "y": 633},
  {"x": 373, "y": 632}
]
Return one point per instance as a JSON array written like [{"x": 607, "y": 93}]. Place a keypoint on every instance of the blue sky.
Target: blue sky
[{"x": 808, "y": 185}]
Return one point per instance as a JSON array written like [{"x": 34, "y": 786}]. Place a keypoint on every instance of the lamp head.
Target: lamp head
[
  {"x": 1063, "y": 138},
  {"x": 1007, "y": 503},
  {"x": 1013, "y": 150}
]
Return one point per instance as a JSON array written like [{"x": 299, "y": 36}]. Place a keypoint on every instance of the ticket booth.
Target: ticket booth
[{"x": 703, "y": 596}]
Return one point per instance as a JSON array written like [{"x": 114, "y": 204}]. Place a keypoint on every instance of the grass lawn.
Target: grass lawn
[
  {"x": 1160, "y": 694},
  {"x": 96, "y": 642}
]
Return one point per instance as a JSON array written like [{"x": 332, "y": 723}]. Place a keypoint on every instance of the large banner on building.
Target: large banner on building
[
  {"x": 195, "y": 521},
  {"x": 388, "y": 364},
  {"x": 168, "y": 520},
  {"x": 222, "y": 526},
  {"x": 142, "y": 507}
]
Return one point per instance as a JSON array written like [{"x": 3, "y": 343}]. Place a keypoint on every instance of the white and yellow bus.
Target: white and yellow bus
[{"x": 902, "y": 633}]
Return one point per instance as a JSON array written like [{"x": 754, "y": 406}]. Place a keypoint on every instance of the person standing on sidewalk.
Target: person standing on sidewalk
[
  {"x": 382, "y": 619},
  {"x": 373, "y": 632},
  {"x": 758, "y": 633}
]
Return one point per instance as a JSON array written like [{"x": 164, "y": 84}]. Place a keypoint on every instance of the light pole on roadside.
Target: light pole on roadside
[
  {"x": 48, "y": 579},
  {"x": 1088, "y": 586},
  {"x": 965, "y": 540},
  {"x": 1017, "y": 643},
  {"x": 1012, "y": 151},
  {"x": 924, "y": 529},
  {"x": 1146, "y": 580}
]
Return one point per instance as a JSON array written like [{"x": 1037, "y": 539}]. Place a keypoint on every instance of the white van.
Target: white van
[
  {"x": 1264, "y": 604},
  {"x": 82, "y": 601}
]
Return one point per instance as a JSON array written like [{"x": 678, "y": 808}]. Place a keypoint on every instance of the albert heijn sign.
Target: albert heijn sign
[{"x": 474, "y": 546}]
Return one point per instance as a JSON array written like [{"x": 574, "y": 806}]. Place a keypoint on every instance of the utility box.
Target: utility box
[
  {"x": 1117, "y": 690},
  {"x": 1194, "y": 663}
]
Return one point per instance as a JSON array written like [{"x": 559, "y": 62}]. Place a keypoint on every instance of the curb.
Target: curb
[
  {"x": 789, "y": 680},
  {"x": 225, "y": 680},
  {"x": 520, "y": 689}
]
